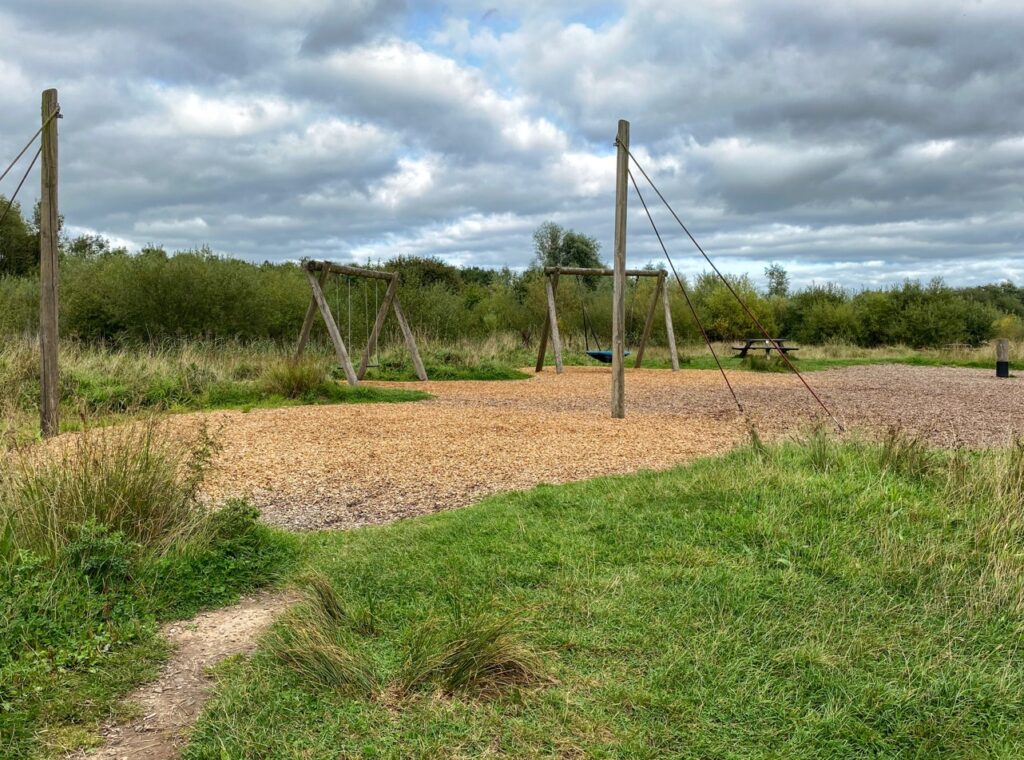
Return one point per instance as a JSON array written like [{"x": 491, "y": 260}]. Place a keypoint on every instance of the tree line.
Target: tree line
[{"x": 109, "y": 294}]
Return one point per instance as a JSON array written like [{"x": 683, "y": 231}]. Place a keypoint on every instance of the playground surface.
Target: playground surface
[{"x": 343, "y": 466}]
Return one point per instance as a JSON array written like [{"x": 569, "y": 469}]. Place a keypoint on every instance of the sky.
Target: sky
[{"x": 860, "y": 142}]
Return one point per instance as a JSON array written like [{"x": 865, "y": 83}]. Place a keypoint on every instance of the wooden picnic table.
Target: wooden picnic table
[{"x": 762, "y": 344}]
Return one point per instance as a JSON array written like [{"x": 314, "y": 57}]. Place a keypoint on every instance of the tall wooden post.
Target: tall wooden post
[
  {"x": 307, "y": 322},
  {"x": 619, "y": 285},
  {"x": 49, "y": 216},
  {"x": 556, "y": 337}
]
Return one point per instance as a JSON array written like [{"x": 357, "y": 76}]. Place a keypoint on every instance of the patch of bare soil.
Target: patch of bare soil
[
  {"x": 343, "y": 466},
  {"x": 169, "y": 705}
]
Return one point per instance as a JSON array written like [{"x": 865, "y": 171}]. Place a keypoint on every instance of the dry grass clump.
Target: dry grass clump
[
  {"x": 131, "y": 480},
  {"x": 294, "y": 379},
  {"x": 319, "y": 642},
  {"x": 312, "y": 648},
  {"x": 480, "y": 654},
  {"x": 324, "y": 641}
]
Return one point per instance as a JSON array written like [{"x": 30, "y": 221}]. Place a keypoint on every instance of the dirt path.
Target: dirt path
[
  {"x": 169, "y": 705},
  {"x": 348, "y": 465}
]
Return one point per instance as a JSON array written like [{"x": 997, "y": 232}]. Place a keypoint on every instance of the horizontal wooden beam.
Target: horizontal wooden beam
[
  {"x": 327, "y": 266},
  {"x": 603, "y": 272}
]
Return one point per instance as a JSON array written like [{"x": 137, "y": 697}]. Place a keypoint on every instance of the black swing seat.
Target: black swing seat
[{"x": 604, "y": 356}]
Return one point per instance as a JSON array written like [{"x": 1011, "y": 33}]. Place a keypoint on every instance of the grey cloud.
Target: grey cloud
[{"x": 868, "y": 140}]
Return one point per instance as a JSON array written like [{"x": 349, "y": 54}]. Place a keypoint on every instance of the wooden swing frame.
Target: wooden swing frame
[
  {"x": 317, "y": 273},
  {"x": 551, "y": 275}
]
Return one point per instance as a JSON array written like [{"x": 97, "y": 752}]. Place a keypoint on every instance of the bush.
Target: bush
[{"x": 294, "y": 379}]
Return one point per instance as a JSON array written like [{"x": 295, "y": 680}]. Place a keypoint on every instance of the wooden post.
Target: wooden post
[
  {"x": 332, "y": 330},
  {"x": 651, "y": 311},
  {"x": 619, "y": 282},
  {"x": 556, "y": 338},
  {"x": 543, "y": 347},
  {"x": 670, "y": 333},
  {"x": 378, "y": 324},
  {"x": 307, "y": 322},
  {"x": 49, "y": 230},
  {"x": 1002, "y": 358},
  {"x": 410, "y": 339}
]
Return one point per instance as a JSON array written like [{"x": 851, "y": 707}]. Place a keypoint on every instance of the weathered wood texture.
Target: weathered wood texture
[
  {"x": 649, "y": 323},
  {"x": 328, "y": 266},
  {"x": 619, "y": 279},
  {"x": 556, "y": 338},
  {"x": 332, "y": 330},
  {"x": 378, "y": 324},
  {"x": 307, "y": 322},
  {"x": 410, "y": 340},
  {"x": 49, "y": 229},
  {"x": 546, "y": 329},
  {"x": 583, "y": 271},
  {"x": 670, "y": 333}
]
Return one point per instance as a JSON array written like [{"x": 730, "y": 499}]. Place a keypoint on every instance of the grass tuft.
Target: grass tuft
[
  {"x": 293, "y": 379},
  {"x": 324, "y": 599},
  {"x": 906, "y": 455},
  {"x": 480, "y": 654},
  {"x": 130, "y": 480},
  {"x": 756, "y": 363},
  {"x": 312, "y": 646}
]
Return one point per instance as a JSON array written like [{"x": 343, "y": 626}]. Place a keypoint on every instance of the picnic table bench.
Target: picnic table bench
[{"x": 762, "y": 344}]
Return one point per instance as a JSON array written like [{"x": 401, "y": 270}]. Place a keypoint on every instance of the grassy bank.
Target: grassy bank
[
  {"x": 101, "y": 382},
  {"x": 836, "y": 601},
  {"x": 100, "y": 540}
]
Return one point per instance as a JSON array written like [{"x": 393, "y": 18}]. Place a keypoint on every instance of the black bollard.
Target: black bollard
[{"x": 1002, "y": 358}]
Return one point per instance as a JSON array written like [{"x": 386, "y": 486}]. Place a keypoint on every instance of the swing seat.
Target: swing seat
[{"x": 605, "y": 357}]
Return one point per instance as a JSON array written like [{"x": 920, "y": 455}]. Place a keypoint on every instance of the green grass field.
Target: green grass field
[{"x": 814, "y": 600}]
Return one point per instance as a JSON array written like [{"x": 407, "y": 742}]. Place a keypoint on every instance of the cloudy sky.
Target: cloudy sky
[{"x": 861, "y": 141}]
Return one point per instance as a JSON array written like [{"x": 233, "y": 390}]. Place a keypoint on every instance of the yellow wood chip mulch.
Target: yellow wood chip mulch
[{"x": 347, "y": 465}]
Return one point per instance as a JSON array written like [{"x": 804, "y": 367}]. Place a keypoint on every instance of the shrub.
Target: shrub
[{"x": 101, "y": 535}]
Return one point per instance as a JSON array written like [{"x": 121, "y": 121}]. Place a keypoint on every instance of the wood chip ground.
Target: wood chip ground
[{"x": 343, "y": 466}]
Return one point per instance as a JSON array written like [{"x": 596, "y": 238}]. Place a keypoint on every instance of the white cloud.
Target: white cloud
[{"x": 882, "y": 135}]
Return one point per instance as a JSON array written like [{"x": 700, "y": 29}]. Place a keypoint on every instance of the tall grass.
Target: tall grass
[
  {"x": 100, "y": 381},
  {"x": 481, "y": 654},
  {"x": 132, "y": 480}
]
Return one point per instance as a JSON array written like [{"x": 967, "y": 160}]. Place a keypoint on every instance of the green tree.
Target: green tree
[
  {"x": 555, "y": 246},
  {"x": 19, "y": 242},
  {"x": 778, "y": 280}
]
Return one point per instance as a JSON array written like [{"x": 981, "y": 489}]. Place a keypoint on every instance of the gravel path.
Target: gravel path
[{"x": 349, "y": 465}]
